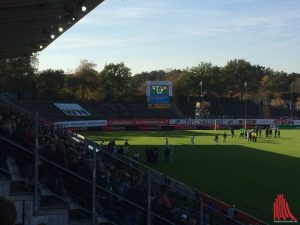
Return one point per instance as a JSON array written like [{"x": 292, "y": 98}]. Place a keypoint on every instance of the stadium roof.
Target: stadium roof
[{"x": 28, "y": 26}]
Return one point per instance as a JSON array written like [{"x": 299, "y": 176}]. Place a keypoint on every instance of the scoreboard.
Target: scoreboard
[
  {"x": 159, "y": 93},
  {"x": 159, "y": 90}
]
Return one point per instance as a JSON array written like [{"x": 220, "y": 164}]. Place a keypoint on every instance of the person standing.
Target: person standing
[
  {"x": 275, "y": 132},
  {"x": 254, "y": 136},
  {"x": 216, "y": 139},
  {"x": 241, "y": 132},
  {"x": 259, "y": 131},
  {"x": 248, "y": 135},
  {"x": 167, "y": 142},
  {"x": 224, "y": 137},
  {"x": 126, "y": 148},
  {"x": 193, "y": 140},
  {"x": 232, "y": 132},
  {"x": 267, "y": 132}
]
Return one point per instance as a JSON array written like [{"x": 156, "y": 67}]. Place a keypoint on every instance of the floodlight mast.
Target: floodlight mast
[
  {"x": 246, "y": 107},
  {"x": 291, "y": 101},
  {"x": 246, "y": 98},
  {"x": 201, "y": 91}
]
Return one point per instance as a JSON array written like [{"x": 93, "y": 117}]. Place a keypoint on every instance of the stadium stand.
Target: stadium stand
[
  {"x": 234, "y": 108},
  {"x": 65, "y": 180},
  {"x": 283, "y": 112},
  {"x": 97, "y": 110},
  {"x": 222, "y": 108}
]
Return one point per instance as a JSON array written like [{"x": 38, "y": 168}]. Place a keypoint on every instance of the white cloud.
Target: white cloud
[
  {"x": 255, "y": 22},
  {"x": 120, "y": 11},
  {"x": 117, "y": 28}
]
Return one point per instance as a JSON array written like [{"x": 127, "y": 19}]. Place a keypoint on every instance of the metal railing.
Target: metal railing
[{"x": 154, "y": 178}]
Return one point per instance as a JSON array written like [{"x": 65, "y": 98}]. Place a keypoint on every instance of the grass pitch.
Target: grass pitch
[{"x": 247, "y": 174}]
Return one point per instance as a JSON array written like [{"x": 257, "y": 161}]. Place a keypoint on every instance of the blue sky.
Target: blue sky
[{"x": 163, "y": 34}]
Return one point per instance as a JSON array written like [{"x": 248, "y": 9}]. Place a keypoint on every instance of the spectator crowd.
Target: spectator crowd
[{"x": 123, "y": 193}]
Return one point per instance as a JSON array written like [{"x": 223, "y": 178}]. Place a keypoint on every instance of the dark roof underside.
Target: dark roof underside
[{"x": 28, "y": 26}]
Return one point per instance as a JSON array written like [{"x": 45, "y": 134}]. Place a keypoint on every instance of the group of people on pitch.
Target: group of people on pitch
[{"x": 269, "y": 132}]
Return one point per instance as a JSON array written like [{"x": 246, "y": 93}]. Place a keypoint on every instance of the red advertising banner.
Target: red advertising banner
[{"x": 138, "y": 122}]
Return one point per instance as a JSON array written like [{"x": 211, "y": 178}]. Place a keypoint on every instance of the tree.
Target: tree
[
  {"x": 209, "y": 75},
  {"x": 50, "y": 84},
  {"x": 184, "y": 86},
  {"x": 86, "y": 78},
  {"x": 296, "y": 87},
  {"x": 116, "y": 81},
  {"x": 234, "y": 75},
  {"x": 17, "y": 75},
  {"x": 174, "y": 76}
]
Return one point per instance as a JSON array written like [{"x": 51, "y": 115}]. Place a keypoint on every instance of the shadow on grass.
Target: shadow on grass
[{"x": 247, "y": 177}]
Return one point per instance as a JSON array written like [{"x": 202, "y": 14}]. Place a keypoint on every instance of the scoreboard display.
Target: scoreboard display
[
  {"x": 159, "y": 93},
  {"x": 159, "y": 90}
]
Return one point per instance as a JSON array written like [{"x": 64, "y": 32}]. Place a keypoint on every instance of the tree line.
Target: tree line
[{"x": 116, "y": 83}]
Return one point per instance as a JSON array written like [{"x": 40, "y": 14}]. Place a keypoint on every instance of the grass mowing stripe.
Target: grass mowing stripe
[{"x": 248, "y": 174}]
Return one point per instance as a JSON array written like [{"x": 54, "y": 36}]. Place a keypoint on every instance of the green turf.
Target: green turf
[{"x": 247, "y": 174}]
